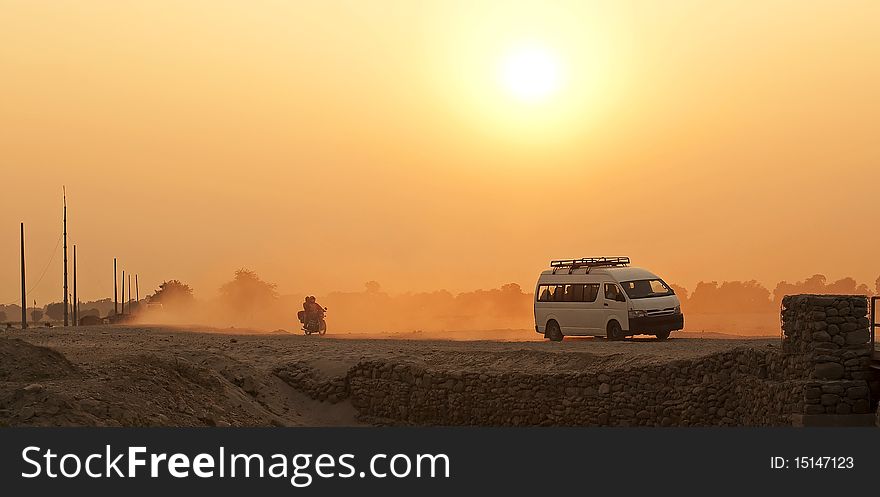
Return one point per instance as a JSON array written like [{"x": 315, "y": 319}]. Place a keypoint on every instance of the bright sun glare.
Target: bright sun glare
[{"x": 531, "y": 74}]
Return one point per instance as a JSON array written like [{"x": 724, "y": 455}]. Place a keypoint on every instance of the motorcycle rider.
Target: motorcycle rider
[
  {"x": 301, "y": 315},
  {"x": 311, "y": 310}
]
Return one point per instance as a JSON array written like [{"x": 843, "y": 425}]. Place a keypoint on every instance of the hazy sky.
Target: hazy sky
[{"x": 324, "y": 144}]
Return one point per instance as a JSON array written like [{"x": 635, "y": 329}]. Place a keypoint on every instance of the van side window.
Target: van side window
[
  {"x": 550, "y": 293},
  {"x": 558, "y": 295},
  {"x": 574, "y": 293},
  {"x": 591, "y": 291},
  {"x": 568, "y": 293},
  {"x": 543, "y": 293},
  {"x": 611, "y": 291}
]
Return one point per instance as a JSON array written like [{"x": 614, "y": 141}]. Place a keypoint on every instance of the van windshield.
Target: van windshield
[{"x": 642, "y": 289}]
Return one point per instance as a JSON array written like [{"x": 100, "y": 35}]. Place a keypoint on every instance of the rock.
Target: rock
[
  {"x": 858, "y": 337},
  {"x": 860, "y": 406},
  {"x": 821, "y": 336},
  {"x": 27, "y": 412},
  {"x": 34, "y": 388},
  {"x": 604, "y": 388},
  {"x": 249, "y": 385},
  {"x": 829, "y": 370},
  {"x": 829, "y": 399},
  {"x": 857, "y": 392}
]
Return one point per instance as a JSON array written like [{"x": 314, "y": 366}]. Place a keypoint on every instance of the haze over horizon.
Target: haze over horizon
[{"x": 327, "y": 144}]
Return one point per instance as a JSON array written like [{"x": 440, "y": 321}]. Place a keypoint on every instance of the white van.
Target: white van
[{"x": 604, "y": 296}]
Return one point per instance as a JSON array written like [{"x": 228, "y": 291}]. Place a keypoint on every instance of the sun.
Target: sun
[{"x": 531, "y": 74}]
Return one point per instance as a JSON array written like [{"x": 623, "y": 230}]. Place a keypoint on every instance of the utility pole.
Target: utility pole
[
  {"x": 66, "y": 299},
  {"x": 123, "y": 292},
  {"x": 129, "y": 293},
  {"x": 137, "y": 290},
  {"x": 23, "y": 289},
  {"x": 75, "y": 301},
  {"x": 115, "y": 289}
]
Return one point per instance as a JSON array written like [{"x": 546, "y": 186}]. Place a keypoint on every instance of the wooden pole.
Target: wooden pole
[
  {"x": 129, "y": 293},
  {"x": 123, "y": 292},
  {"x": 115, "y": 289},
  {"x": 23, "y": 288},
  {"x": 75, "y": 301},
  {"x": 137, "y": 289},
  {"x": 66, "y": 299}
]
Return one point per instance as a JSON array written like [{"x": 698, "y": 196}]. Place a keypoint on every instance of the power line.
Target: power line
[{"x": 45, "y": 269}]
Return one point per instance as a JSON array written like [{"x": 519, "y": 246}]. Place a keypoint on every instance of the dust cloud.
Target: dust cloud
[{"x": 247, "y": 303}]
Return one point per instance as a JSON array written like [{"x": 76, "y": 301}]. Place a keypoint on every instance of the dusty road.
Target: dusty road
[{"x": 162, "y": 376}]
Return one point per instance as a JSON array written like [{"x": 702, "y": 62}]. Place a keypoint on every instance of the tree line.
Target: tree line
[{"x": 249, "y": 301}]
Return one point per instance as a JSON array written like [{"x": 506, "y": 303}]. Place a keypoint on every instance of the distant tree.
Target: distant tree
[
  {"x": 173, "y": 295},
  {"x": 844, "y": 286},
  {"x": 246, "y": 292},
  {"x": 818, "y": 284},
  {"x": 12, "y": 310},
  {"x": 36, "y": 315},
  {"x": 813, "y": 284},
  {"x": 55, "y": 311},
  {"x": 373, "y": 286},
  {"x": 680, "y": 291},
  {"x": 90, "y": 312},
  {"x": 730, "y": 297}
]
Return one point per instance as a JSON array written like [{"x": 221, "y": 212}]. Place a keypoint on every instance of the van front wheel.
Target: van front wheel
[
  {"x": 553, "y": 332},
  {"x": 614, "y": 331},
  {"x": 663, "y": 335}
]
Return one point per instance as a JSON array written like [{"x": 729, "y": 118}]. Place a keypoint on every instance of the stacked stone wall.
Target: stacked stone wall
[
  {"x": 827, "y": 340},
  {"x": 737, "y": 388}
]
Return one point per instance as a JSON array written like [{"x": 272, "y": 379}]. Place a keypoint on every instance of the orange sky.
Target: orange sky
[{"x": 324, "y": 144}]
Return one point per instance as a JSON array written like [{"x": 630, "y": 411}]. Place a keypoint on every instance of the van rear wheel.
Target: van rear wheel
[
  {"x": 614, "y": 331},
  {"x": 662, "y": 335},
  {"x": 553, "y": 332}
]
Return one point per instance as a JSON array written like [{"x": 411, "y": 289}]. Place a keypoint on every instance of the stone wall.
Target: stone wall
[
  {"x": 827, "y": 340},
  {"x": 820, "y": 367},
  {"x": 737, "y": 388}
]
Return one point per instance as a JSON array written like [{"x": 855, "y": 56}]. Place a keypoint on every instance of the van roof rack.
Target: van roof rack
[{"x": 588, "y": 262}]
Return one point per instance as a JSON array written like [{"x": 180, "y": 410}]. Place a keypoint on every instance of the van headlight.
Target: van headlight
[
  {"x": 633, "y": 313},
  {"x": 677, "y": 309}
]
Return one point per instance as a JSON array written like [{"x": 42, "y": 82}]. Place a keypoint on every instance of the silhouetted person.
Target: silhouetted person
[
  {"x": 311, "y": 309},
  {"x": 301, "y": 315}
]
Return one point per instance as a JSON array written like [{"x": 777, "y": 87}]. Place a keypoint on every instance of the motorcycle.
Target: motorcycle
[{"x": 315, "y": 324}]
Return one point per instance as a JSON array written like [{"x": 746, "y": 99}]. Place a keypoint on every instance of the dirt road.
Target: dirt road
[{"x": 162, "y": 376}]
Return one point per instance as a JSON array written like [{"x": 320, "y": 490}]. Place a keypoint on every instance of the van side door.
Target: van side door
[{"x": 615, "y": 305}]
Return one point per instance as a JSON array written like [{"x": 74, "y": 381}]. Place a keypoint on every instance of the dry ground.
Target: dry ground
[{"x": 169, "y": 376}]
